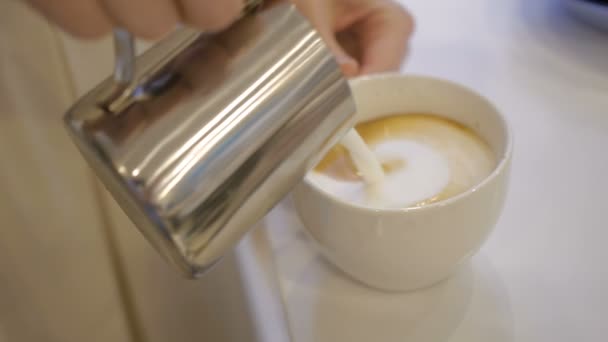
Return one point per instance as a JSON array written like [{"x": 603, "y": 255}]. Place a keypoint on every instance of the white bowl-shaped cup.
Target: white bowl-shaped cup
[{"x": 407, "y": 249}]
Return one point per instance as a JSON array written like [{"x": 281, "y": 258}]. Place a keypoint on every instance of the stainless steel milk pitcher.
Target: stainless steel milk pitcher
[{"x": 208, "y": 132}]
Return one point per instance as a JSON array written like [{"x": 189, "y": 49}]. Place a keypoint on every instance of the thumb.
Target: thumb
[
  {"x": 384, "y": 34},
  {"x": 345, "y": 47},
  {"x": 348, "y": 64},
  {"x": 320, "y": 14}
]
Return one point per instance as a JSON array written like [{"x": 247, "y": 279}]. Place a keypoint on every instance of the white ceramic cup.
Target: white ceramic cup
[{"x": 407, "y": 249}]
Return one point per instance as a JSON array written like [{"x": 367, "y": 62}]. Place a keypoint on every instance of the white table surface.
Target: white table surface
[{"x": 543, "y": 275}]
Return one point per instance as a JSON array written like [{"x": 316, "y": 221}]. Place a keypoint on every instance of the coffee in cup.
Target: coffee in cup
[{"x": 426, "y": 158}]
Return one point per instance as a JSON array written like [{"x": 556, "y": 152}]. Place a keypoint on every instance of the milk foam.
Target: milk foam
[{"x": 425, "y": 172}]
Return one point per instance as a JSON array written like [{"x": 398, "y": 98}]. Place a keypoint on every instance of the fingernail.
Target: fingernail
[{"x": 348, "y": 65}]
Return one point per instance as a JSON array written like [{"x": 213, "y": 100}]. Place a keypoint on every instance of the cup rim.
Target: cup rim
[{"x": 498, "y": 169}]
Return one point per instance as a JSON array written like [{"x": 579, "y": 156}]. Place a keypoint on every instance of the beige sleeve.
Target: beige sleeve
[{"x": 57, "y": 281}]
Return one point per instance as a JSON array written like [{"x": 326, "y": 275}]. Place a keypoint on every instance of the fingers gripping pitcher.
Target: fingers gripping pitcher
[{"x": 199, "y": 137}]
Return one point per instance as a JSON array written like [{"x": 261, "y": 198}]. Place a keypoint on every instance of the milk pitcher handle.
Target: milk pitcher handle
[
  {"x": 124, "y": 57},
  {"x": 124, "y": 62},
  {"x": 124, "y": 48},
  {"x": 124, "y": 72}
]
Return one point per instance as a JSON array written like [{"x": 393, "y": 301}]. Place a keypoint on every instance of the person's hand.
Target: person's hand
[
  {"x": 144, "y": 18},
  {"x": 375, "y": 32},
  {"x": 366, "y": 36}
]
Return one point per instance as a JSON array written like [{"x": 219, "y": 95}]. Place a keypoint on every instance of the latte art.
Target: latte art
[
  {"x": 425, "y": 158},
  {"x": 411, "y": 164}
]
